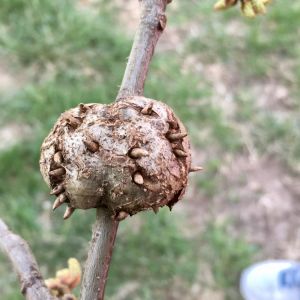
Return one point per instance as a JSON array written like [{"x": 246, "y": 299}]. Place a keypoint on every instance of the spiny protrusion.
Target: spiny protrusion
[
  {"x": 82, "y": 108},
  {"x": 147, "y": 109},
  {"x": 180, "y": 153},
  {"x": 173, "y": 124},
  {"x": 122, "y": 215},
  {"x": 176, "y": 136},
  {"x": 68, "y": 213},
  {"x": 162, "y": 22},
  {"x": 59, "y": 201},
  {"x": 91, "y": 145},
  {"x": 58, "y": 158},
  {"x": 57, "y": 172},
  {"x": 170, "y": 207},
  {"x": 138, "y": 153},
  {"x": 58, "y": 189},
  {"x": 155, "y": 209},
  {"x": 72, "y": 121},
  {"x": 138, "y": 178},
  {"x": 195, "y": 169}
]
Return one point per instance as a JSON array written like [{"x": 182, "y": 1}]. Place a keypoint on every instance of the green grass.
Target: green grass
[
  {"x": 67, "y": 55},
  {"x": 156, "y": 250},
  {"x": 226, "y": 255}
]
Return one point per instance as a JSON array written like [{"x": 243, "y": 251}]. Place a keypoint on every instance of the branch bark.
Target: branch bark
[
  {"x": 20, "y": 255},
  {"x": 152, "y": 23},
  {"x": 99, "y": 256}
]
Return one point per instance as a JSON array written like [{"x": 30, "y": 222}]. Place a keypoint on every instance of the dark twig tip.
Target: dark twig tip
[{"x": 155, "y": 209}]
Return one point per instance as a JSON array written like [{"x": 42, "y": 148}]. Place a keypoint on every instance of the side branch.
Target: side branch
[
  {"x": 99, "y": 256},
  {"x": 152, "y": 23},
  {"x": 17, "y": 250}
]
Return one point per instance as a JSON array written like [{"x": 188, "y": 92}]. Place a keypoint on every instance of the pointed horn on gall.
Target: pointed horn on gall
[
  {"x": 180, "y": 153},
  {"x": 61, "y": 199},
  {"x": 58, "y": 189},
  {"x": 68, "y": 213},
  {"x": 58, "y": 158},
  {"x": 138, "y": 178},
  {"x": 138, "y": 153},
  {"x": 57, "y": 172},
  {"x": 92, "y": 146},
  {"x": 147, "y": 110},
  {"x": 195, "y": 169},
  {"x": 73, "y": 122},
  {"x": 155, "y": 209},
  {"x": 176, "y": 136},
  {"x": 56, "y": 204}
]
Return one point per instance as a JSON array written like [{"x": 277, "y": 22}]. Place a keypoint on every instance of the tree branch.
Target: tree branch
[
  {"x": 99, "y": 256},
  {"x": 152, "y": 23},
  {"x": 18, "y": 251}
]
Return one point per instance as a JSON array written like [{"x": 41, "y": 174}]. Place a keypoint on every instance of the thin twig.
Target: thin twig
[
  {"x": 99, "y": 256},
  {"x": 20, "y": 255},
  {"x": 152, "y": 23}
]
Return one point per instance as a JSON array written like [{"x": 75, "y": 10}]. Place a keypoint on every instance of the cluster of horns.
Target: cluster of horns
[{"x": 57, "y": 174}]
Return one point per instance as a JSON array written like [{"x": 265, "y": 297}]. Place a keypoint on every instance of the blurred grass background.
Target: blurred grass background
[{"x": 234, "y": 82}]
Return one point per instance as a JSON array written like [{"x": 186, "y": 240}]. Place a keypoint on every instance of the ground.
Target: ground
[{"x": 235, "y": 84}]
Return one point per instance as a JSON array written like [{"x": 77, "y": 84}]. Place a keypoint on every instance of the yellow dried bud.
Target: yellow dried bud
[
  {"x": 220, "y": 5},
  {"x": 224, "y": 4},
  {"x": 247, "y": 10},
  {"x": 66, "y": 279},
  {"x": 72, "y": 275},
  {"x": 258, "y": 6}
]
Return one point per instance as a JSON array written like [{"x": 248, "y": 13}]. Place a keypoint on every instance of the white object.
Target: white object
[{"x": 271, "y": 280}]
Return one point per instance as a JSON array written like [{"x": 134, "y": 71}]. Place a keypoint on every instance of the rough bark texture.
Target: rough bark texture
[
  {"x": 129, "y": 156},
  {"x": 152, "y": 23},
  {"x": 32, "y": 284},
  {"x": 99, "y": 256}
]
